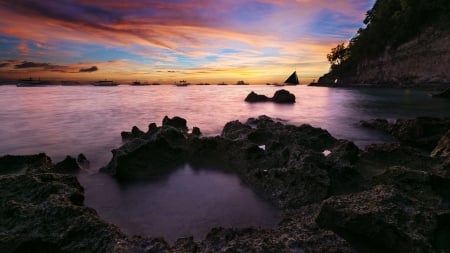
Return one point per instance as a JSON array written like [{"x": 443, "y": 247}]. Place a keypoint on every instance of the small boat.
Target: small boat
[
  {"x": 30, "y": 82},
  {"x": 70, "y": 83},
  {"x": 137, "y": 83},
  {"x": 182, "y": 83},
  {"x": 292, "y": 79},
  {"x": 105, "y": 83},
  {"x": 241, "y": 83}
]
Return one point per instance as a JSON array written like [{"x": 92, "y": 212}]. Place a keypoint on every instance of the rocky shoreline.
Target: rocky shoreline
[{"x": 391, "y": 197}]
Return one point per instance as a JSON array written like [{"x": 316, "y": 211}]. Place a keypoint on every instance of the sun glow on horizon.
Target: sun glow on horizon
[{"x": 164, "y": 41}]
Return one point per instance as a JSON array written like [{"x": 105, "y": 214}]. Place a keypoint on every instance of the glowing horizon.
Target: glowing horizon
[{"x": 164, "y": 41}]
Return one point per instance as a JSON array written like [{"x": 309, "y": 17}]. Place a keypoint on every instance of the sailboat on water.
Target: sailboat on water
[{"x": 292, "y": 79}]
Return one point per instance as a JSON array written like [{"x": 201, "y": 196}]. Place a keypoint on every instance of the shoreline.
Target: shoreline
[{"x": 292, "y": 171}]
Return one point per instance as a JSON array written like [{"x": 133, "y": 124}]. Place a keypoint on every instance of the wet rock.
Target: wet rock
[
  {"x": 379, "y": 124},
  {"x": 25, "y": 163},
  {"x": 196, "y": 131},
  {"x": 283, "y": 97},
  {"x": 422, "y": 132},
  {"x": 68, "y": 165},
  {"x": 135, "y": 133},
  {"x": 383, "y": 219},
  {"x": 235, "y": 130},
  {"x": 83, "y": 161},
  {"x": 176, "y": 122},
  {"x": 378, "y": 157},
  {"x": 185, "y": 245},
  {"x": 252, "y": 97},
  {"x": 280, "y": 97},
  {"x": 43, "y": 213},
  {"x": 442, "y": 149}
]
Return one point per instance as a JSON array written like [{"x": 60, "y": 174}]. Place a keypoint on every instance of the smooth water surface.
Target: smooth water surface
[{"x": 68, "y": 120}]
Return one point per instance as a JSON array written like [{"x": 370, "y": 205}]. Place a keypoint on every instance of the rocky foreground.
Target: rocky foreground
[{"x": 390, "y": 197}]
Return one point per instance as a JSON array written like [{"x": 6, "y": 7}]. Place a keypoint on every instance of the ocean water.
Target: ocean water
[{"x": 68, "y": 120}]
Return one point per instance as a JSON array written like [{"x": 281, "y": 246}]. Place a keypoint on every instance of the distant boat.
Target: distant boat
[
  {"x": 241, "y": 83},
  {"x": 222, "y": 83},
  {"x": 137, "y": 83},
  {"x": 70, "y": 83},
  {"x": 30, "y": 82},
  {"x": 105, "y": 83},
  {"x": 292, "y": 79},
  {"x": 182, "y": 83}
]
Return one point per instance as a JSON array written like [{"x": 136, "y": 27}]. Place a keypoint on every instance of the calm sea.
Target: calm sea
[{"x": 68, "y": 120}]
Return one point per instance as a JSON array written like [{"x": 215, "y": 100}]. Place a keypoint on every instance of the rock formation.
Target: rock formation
[
  {"x": 280, "y": 97},
  {"x": 391, "y": 197}
]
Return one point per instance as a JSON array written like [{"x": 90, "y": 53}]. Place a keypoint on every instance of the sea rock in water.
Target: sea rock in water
[
  {"x": 83, "y": 161},
  {"x": 283, "y": 97},
  {"x": 280, "y": 96},
  {"x": 252, "y": 97},
  {"x": 68, "y": 165},
  {"x": 177, "y": 122},
  {"x": 25, "y": 163}
]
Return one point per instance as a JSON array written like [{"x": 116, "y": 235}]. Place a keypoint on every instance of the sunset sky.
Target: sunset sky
[{"x": 168, "y": 40}]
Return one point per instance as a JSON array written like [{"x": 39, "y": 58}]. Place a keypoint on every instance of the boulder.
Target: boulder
[
  {"x": 252, "y": 97},
  {"x": 25, "y": 163},
  {"x": 382, "y": 219},
  {"x": 283, "y": 97},
  {"x": 44, "y": 212},
  {"x": 196, "y": 131},
  {"x": 280, "y": 97},
  {"x": 68, "y": 165},
  {"x": 176, "y": 122}
]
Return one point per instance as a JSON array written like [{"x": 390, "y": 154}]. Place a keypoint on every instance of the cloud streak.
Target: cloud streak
[{"x": 177, "y": 34}]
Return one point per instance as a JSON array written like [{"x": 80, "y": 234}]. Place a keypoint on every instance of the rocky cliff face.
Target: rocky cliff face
[{"x": 424, "y": 60}]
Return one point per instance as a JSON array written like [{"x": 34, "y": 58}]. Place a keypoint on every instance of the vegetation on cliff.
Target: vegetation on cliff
[{"x": 387, "y": 25}]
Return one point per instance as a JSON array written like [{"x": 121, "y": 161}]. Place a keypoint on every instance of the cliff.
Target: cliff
[
  {"x": 402, "y": 43},
  {"x": 423, "y": 60}
]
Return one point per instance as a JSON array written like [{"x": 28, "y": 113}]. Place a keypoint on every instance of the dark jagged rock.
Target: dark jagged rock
[
  {"x": 68, "y": 165},
  {"x": 44, "y": 212},
  {"x": 252, "y": 97},
  {"x": 196, "y": 131},
  {"x": 422, "y": 132},
  {"x": 379, "y": 124},
  {"x": 135, "y": 133},
  {"x": 25, "y": 163},
  {"x": 379, "y": 220},
  {"x": 283, "y": 97},
  {"x": 177, "y": 122},
  {"x": 83, "y": 161},
  {"x": 280, "y": 97}
]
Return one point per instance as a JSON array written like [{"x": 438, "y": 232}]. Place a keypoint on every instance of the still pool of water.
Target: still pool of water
[
  {"x": 186, "y": 202},
  {"x": 67, "y": 120}
]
